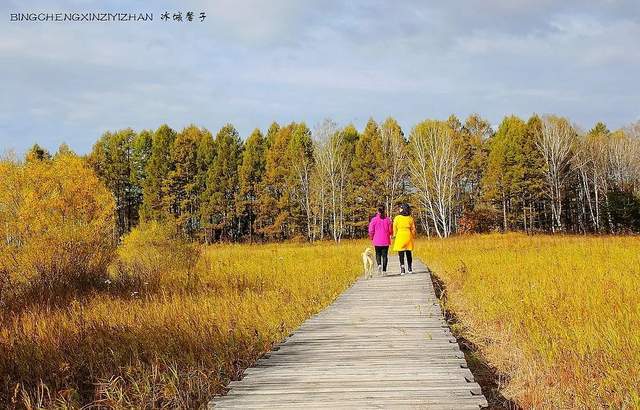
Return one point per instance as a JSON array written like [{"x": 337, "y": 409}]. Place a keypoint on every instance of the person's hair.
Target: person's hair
[
  {"x": 382, "y": 211},
  {"x": 405, "y": 209}
]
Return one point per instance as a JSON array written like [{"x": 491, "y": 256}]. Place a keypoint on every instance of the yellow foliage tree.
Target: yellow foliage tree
[{"x": 57, "y": 225}]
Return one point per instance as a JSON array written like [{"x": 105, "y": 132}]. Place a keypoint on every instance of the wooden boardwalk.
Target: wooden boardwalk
[{"x": 382, "y": 344}]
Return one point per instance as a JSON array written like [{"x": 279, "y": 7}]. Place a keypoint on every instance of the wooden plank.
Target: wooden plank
[{"x": 382, "y": 343}]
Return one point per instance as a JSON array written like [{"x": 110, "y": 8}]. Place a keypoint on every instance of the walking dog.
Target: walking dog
[{"x": 368, "y": 263}]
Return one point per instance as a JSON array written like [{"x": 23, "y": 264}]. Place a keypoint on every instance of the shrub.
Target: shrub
[
  {"x": 57, "y": 225},
  {"x": 482, "y": 219},
  {"x": 151, "y": 256}
]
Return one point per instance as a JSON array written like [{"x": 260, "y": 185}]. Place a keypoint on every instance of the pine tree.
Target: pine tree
[
  {"x": 251, "y": 174},
  {"x": 504, "y": 177},
  {"x": 472, "y": 137},
  {"x": 65, "y": 150},
  {"x": 349, "y": 139},
  {"x": 180, "y": 187},
  {"x": 157, "y": 170},
  {"x": 140, "y": 154},
  {"x": 111, "y": 159},
  {"x": 599, "y": 129},
  {"x": 300, "y": 155},
  {"x": 532, "y": 192},
  {"x": 219, "y": 212},
  {"x": 367, "y": 176},
  {"x": 475, "y": 132},
  {"x": 37, "y": 153},
  {"x": 205, "y": 157},
  {"x": 273, "y": 130},
  {"x": 275, "y": 199}
]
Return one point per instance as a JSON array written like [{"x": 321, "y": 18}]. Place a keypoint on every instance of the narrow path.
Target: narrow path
[{"x": 383, "y": 343}]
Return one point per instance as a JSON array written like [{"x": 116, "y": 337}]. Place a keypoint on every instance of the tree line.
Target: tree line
[{"x": 293, "y": 182}]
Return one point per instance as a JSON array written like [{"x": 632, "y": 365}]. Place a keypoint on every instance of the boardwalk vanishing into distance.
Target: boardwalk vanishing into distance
[{"x": 383, "y": 343}]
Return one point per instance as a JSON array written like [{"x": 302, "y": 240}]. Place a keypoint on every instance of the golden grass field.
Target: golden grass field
[
  {"x": 559, "y": 316},
  {"x": 177, "y": 343}
]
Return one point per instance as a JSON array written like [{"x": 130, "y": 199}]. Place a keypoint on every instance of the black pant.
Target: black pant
[
  {"x": 409, "y": 258},
  {"x": 382, "y": 253}
]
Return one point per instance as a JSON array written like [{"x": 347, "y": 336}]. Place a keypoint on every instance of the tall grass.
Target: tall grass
[
  {"x": 173, "y": 322},
  {"x": 558, "y": 315},
  {"x": 173, "y": 336}
]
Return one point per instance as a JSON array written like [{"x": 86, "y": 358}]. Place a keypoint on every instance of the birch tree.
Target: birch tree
[
  {"x": 556, "y": 145},
  {"x": 332, "y": 169},
  {"x": 624, "y": 157},
  {"x": 435, "y": 169},
  {"x": 590, "y": 162}
]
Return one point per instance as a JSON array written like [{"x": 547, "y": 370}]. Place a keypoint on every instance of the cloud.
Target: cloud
[{"x": 252, "y": 62}]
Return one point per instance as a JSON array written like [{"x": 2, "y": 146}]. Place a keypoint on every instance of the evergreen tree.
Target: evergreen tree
[
  {"x": 349, "y": 139},
  {"x": 275, "y": 199},
  {"x": 111, "y": 159},
  {"x": 204, "y": 159},
  {"x": 475, "y": 132},
  {"x": 206, "y": 155},
  {"x": 271, "y": 134},
  {"x": 367, "y": 173},
  {"x": 504, "y": 177},
  {"x": 251, "y": 174},
  {"x": 157, "y": 170},
  {"x": 180, "y": 187},
  {"x": 37, "y": 153},
  {"x": 473, "y": 137},
  {"x": 532, "y": 187},
  {"x": 65, "y": 150},
  {"x": 140, "y": 154},
  {"x": 218, "y": 212}
]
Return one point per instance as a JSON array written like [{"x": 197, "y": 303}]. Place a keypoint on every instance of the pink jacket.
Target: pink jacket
[{"x": 380, "y": 231}]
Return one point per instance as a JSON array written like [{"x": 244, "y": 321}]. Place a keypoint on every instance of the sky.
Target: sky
[{"x": 252, "y": 62}]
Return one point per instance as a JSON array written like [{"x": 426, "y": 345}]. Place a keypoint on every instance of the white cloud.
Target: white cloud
[{"x": 254, "y": 61}]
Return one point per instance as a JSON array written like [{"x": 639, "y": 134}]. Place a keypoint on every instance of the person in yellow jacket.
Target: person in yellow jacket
[{"x": 404, "y": 228}]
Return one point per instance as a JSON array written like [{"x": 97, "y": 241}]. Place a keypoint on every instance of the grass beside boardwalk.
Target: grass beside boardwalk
[
  {"x": 173, "y": 322},
  {"x": 168, "y": 329},
  {"x": 558, "y": 315}
]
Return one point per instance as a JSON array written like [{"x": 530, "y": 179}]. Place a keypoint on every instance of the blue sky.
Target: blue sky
[{"x": 252, "y": 62}]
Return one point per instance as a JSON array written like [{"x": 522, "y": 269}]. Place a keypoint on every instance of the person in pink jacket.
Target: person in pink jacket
[{"x": 380, "y": 232}]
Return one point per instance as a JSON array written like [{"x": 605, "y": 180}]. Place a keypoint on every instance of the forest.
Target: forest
[{"x": 292, "y": 182}]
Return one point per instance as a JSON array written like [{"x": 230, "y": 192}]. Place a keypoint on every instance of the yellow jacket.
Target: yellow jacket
[{"x": 404, "y": 229}]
